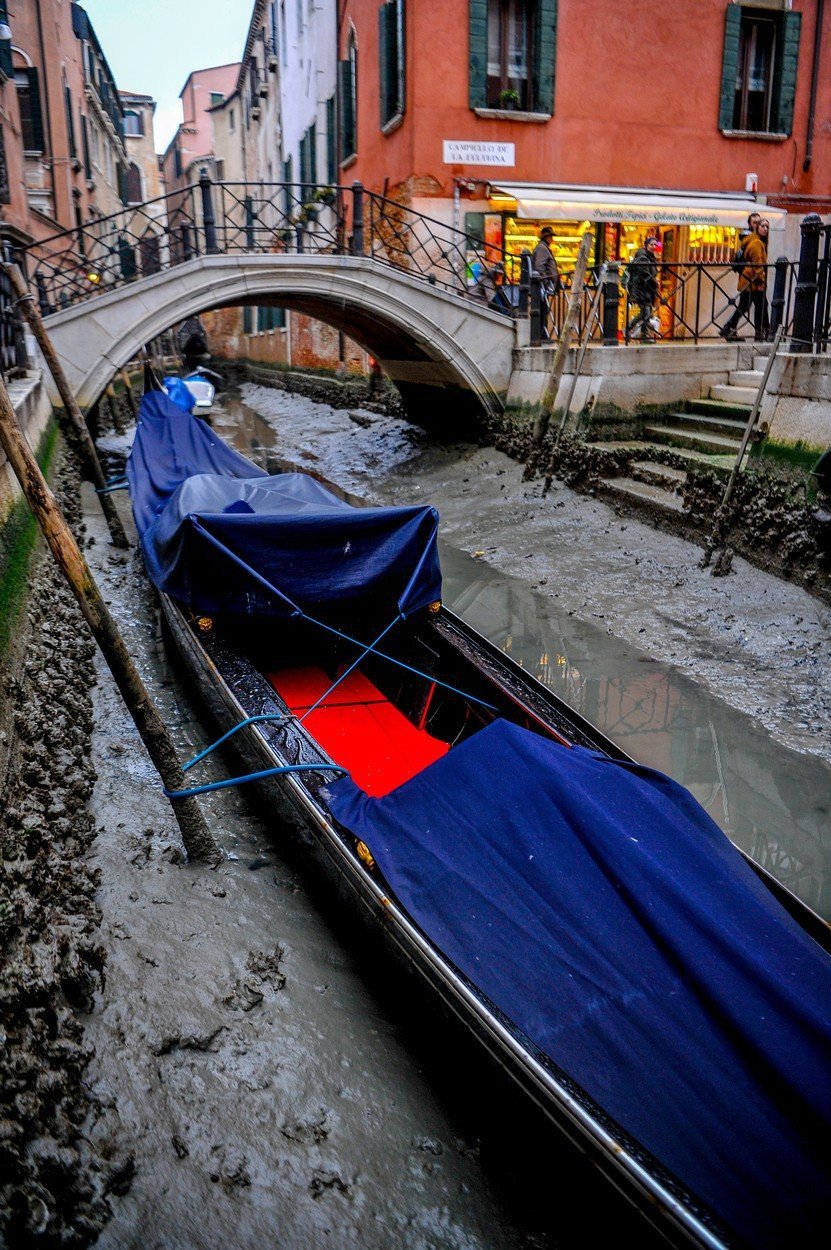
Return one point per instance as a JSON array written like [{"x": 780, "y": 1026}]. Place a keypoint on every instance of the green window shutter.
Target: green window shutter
[
  {"x": 545, "y": 56},
  {"x": 478, "y": 53},
  {"x": 311, "y": 148},
  {"x": 383, "y": 62},
  {"x": 85, "y": 142},
  {"x": 347, "y": 105},
  {"x": 247, "y": 319},
  {"x": 70, "y": 122},
  {"x": 331, "y": 172},
  {"x": 36, "y": 116},
  {"x": 730, "y": 66},
  {"x": 5, "y": 46},
  {"x": 782, "y": 120}
]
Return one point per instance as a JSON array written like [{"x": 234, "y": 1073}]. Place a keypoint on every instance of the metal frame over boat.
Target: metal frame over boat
[{"x": 298, "y": 706}]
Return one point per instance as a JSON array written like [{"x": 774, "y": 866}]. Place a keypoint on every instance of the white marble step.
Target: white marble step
[
  {"x": 746, "y": 377},
  {"x": 734, "y": 394}
]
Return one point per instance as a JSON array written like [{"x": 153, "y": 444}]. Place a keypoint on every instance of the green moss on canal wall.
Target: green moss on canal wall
[{"x": 18, "y": 538}]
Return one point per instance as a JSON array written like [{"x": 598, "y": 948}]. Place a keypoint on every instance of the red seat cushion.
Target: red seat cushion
[{"x": 359, "y": 728}]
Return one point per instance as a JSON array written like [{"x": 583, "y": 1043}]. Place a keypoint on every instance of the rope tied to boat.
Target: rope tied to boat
[{"x": 116, "y": 483}]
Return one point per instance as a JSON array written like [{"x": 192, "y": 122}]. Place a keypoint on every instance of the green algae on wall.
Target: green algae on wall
[{"x": 18, "y": 536}]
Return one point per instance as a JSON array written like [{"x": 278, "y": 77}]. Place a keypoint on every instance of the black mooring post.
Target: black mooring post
[
  {"x": 208, "y": 219},
  {"x": 821, "y": 317},
  {"x": 43, "y": 299},
  {"x": 777, "y": 303},
  {"x": 611, "y": 305},
  {"x": 535, "y": 300},
  {"x": 806, "y": 284},
  {"x": 357, "y": 219},
  {"x": 523, "y": 307}
]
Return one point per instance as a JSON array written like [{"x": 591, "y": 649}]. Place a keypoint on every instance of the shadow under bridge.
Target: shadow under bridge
[{"x": 450, "y": 357}]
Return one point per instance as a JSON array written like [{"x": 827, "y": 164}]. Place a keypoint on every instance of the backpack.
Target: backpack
[{"x": 738, "y": 262}]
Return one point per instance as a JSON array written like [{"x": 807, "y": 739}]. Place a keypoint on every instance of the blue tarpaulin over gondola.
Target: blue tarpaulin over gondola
[
  {"x": 221, "y": 535},
  {"x": 601, "y": 910}
]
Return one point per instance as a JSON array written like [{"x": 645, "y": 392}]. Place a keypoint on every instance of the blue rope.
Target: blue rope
[
  {"x": 345, "y": 674},
  {"x": 251, "y": 720},
  {"x": 267, "y": 772},
  {"x": 116, "y": 483}
]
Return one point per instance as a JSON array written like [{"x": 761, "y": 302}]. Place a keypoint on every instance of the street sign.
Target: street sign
[{"x": 471, "y": 152}]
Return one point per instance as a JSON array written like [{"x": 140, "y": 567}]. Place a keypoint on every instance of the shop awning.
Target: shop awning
[{"x": 549, "y": 202}]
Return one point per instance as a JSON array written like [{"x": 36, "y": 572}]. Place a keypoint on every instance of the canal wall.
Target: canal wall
[{"x": 797, "y": 404}]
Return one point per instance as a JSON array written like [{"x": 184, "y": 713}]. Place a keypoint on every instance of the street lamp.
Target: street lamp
[{"x": 5, "y": 32}]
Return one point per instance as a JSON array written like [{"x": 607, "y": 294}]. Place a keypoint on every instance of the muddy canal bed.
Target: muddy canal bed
[{"x": 245, "y": 1068}]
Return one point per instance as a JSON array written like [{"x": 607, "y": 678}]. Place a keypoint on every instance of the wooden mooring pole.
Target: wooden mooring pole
[
  {"x": 198, "y": 841},
  {"x": 73, "y": 417},
  {"x": 128, "y": 391},
  {"x": 550, "y": 397}
]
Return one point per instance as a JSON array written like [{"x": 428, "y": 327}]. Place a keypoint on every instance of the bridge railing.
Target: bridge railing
[{"x": 211, "y": 218}]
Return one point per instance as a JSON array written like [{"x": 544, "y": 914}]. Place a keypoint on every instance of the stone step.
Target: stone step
[
  {"x": 745, "y": 377},
  {"x": 626, "y": 488},
  {"x": 654, "y": 474},
  {"x": 730, "y": 427},
  {"x": 716, "y": 443},
  {"x": 723, "y": 462},
  {"x": 718, "y": 408},
  {"x": 734, "y": 394}
]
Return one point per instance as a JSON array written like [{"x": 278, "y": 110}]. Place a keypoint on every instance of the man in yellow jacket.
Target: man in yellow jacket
[{"x": 753, "y": 281}]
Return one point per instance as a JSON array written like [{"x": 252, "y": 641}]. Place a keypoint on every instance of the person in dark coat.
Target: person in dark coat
[
  {"x": 542, "y": 260},
  {"x": 643, "y": 289}
]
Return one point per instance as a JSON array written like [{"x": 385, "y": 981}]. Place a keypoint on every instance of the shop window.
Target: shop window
[
  {"x": 761, "y": 52},
  {"x": 31, "y": 118},
  {"x": 512, "y": 54},
  {"x": 348, "y": 91},
  {"x": 133, "y": 122},
  {"x": 391, "y": 60}
]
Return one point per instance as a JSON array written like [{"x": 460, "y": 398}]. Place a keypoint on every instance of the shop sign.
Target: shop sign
[
  {"x": 654, "y": 216},
  {"x": 471, "y": 152}
]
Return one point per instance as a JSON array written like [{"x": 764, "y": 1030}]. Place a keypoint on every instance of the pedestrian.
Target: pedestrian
[
  {"x": 545, "y": 265},
  {"x": 642, "y": 289},
  {"x": 753, "y": 276}
]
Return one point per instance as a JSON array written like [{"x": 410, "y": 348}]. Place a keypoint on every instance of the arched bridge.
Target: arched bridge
[{"x": 394, "y": 281}]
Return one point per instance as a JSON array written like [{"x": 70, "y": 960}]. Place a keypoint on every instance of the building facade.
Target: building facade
[{"x": 499, "y": 116}]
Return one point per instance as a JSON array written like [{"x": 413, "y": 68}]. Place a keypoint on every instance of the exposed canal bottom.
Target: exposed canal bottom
[{"x": 260, "y": 1073}]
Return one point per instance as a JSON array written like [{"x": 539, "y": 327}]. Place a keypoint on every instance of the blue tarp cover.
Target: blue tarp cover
[
  {"x": 599, "y": 907},
  {"x": 213, "y": 526}
]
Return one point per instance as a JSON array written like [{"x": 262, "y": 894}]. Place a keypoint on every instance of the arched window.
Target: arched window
[
  {"x": 133, "y": 122},
  {"x": 133, "y": 184}
]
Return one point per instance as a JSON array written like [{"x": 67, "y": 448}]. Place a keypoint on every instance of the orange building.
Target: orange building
[{"x": 676, "y": 119}]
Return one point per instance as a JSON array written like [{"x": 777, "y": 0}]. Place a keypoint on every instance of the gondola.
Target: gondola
[{"x": 663, "y": 999}]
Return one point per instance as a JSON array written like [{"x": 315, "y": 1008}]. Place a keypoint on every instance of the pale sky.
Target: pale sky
[{"x": 152, "y": 45}]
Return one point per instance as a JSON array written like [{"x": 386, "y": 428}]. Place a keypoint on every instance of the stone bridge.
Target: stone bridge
[{"x": 449, "y": 356}]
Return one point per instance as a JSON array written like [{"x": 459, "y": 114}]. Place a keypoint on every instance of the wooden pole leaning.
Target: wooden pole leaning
[
  {"x": 115, "y": 411},
  {"x": 550, "y": 397},
  {"x": 199, "y": 843},
  {"x": 73, "y": 416}
]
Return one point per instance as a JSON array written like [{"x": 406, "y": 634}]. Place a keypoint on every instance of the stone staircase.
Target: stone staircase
[{"x": 706, "y": 431}]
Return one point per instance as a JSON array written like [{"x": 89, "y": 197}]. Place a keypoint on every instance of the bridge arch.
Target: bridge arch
[{"x": 450, "y": 358}]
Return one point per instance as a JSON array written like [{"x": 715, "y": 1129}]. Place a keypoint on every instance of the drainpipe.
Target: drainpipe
[
  {"x": 47, "y": 112},
  {"x": 812, "y": 107}
]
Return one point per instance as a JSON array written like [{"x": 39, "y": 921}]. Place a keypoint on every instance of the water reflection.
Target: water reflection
[{"x": 772, "y": 802}]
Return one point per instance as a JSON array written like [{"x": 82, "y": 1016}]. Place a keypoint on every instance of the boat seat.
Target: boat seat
[{"x": 359, "y": 727}]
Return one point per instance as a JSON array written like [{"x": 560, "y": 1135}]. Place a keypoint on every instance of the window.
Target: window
[
  {"x": 391, "y": 59},
  {"x": 348, "y": 90},
  {"x": 5, "y": 52},
  {"x": 216, "y": 98},
  {"x": 761, "y": 51},
  {"x": 28, "y": 98},
  {"x": 512, "y": 54},
  {"x": 133, "y": 122},
  {"x": 331, "y": 172},
  {"x": 232, "y": 121},
  {"x": 132, "y": 184}
]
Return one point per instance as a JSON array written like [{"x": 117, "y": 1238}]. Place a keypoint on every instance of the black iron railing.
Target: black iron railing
[{"x": 211, "y": 218}]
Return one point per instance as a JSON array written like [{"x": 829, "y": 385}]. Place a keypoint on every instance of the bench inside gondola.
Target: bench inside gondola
[{"x": 359, "y": 727}]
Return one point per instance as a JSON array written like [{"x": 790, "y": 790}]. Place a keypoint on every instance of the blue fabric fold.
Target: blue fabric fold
[
  {"x": 606, "y": 915},
  {"x": 222, "y": 536}
]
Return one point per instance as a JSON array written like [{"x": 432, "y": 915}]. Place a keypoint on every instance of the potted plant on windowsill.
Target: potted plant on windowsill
[
  {"x": 308, "y": 212},
  {"x": 325, "y": 195},
  {"x": 509, "y": 99},
  {"x": 286, "y": 234}
]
